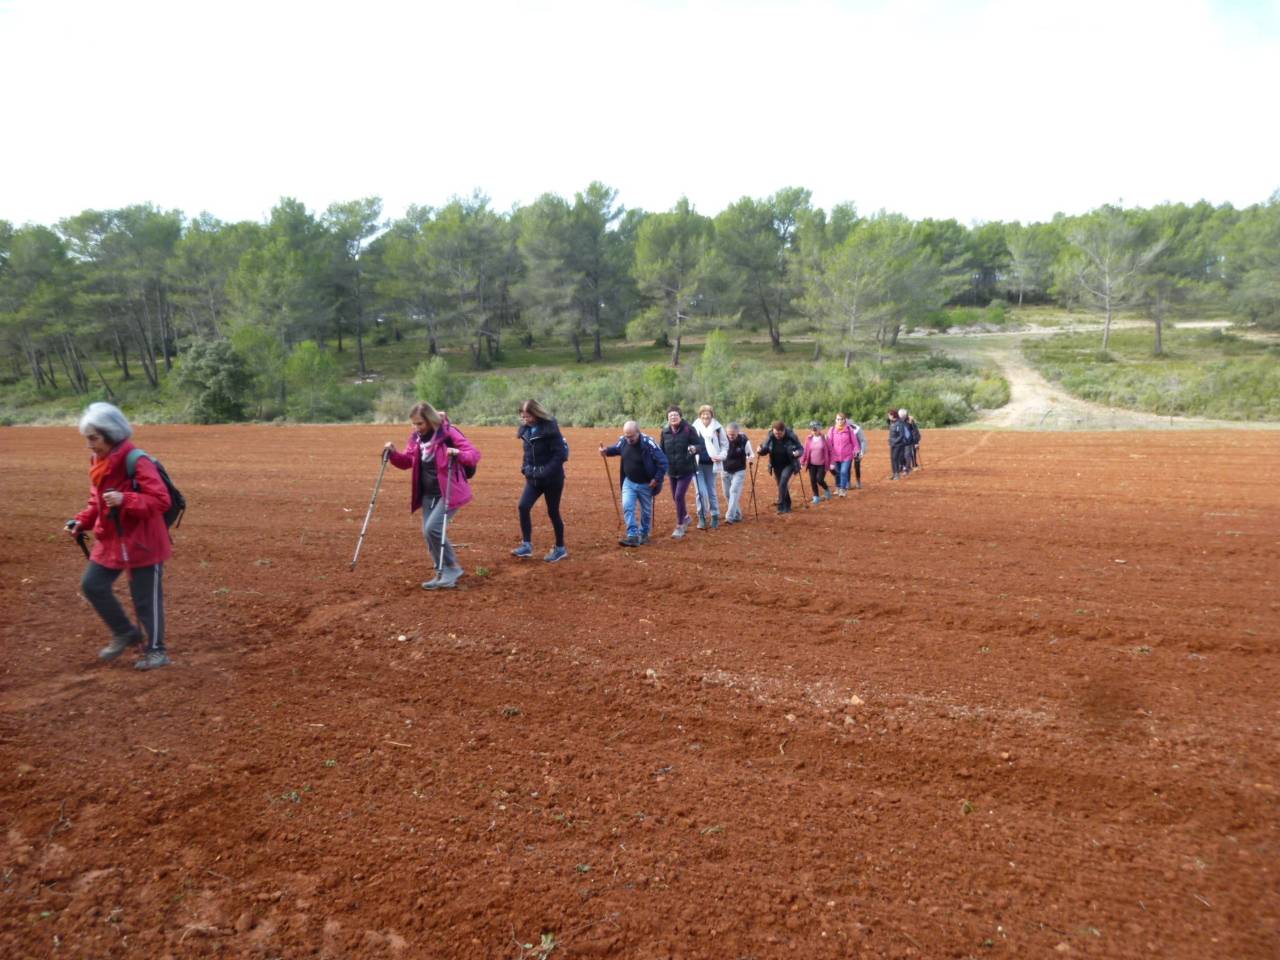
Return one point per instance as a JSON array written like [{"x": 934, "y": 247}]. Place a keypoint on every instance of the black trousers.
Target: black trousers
[
  {"x": 146, "y": 586},
  {"x": 817, "y": 478},
  {"x": 898, "y": 457},
  {"x": 784, "y": 486},
  {"x": 857, "y": 468},
  {"x": 552, "y": 490}
]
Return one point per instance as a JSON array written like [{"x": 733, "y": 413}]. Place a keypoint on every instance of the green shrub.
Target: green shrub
[
  {"x": 431, "y": 380},
  {"x": 217, "y": 379}
]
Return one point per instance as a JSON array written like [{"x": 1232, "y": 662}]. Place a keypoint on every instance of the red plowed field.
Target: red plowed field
[{"x": 1022, "y": 704}]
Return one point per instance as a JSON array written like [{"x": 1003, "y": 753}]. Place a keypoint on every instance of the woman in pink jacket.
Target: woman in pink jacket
[
  {"x": 439, "y": 455},
  {"x": 817, "y": 457},
  {"x": 842, "y": 440},
  {"x": 126, "y": 517}
]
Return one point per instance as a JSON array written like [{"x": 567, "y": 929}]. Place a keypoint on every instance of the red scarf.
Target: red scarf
[{"x": 99, "y": 467}]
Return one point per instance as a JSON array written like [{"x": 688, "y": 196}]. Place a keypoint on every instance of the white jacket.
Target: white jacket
[{"x": 716, "y": 439}]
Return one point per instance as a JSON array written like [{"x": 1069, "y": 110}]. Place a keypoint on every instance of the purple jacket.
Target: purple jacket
[
  {"x": 843, "y": 443},
  {"x": 414, "y": 450}
]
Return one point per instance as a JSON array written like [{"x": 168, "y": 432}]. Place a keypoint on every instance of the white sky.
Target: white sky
[{"x": 978, "y": 110}]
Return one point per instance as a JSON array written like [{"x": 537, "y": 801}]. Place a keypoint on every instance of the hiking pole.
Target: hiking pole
[
  {"x": 386, "y": 454},
  {"x": 803, "y": 492},
  {"x": 612, "y": 492},
  {"x": 71, "y": 525},
  {"x": 751, "y": 474},
  {"x": 444, "y": 520},
  {"x": 115, "y": 518}
]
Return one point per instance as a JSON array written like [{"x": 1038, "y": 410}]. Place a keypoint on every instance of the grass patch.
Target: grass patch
[{"x": 1201, "y": 373}]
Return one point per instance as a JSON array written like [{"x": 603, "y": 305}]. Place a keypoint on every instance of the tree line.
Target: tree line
[{"x": 141, "y": 285}]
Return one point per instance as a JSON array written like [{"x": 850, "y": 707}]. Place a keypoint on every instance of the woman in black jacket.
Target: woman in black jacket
[
  {"x": 684, "y": 448},
  {"x": 545, "y": 451}
]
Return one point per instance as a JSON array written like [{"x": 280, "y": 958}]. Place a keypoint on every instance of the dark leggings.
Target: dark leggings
[
  {"x": 533, "y": 489},
  {"x": 146, "y": 585},
  {"x": 857, "y": 469},
  {"x": 817, "y": 478}
]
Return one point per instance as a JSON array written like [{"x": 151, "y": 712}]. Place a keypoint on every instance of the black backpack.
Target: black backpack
[
  {"x": 177, "y": 502},
  {"x": 468, "y": 470}
]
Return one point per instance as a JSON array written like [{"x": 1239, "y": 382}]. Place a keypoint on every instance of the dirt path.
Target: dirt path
[{"x": 1036, "y": 404}]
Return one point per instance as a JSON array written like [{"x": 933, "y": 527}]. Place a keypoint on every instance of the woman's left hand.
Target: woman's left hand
[{"x": 113, "y": 498}]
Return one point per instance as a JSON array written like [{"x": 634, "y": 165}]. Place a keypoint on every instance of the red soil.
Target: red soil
[{"x": 1021, "y": 704}]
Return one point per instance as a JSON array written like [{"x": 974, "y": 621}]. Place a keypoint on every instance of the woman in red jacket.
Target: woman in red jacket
[{"x": 129, "y": 533}]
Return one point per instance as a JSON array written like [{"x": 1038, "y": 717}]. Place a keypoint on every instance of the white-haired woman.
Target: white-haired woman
[{"x": 126, "y": 516}]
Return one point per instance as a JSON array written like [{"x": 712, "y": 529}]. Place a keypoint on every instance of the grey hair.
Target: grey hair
[
  {"x": 902, "y": 413},
  {"x": 107, "y": 420},
  {"x": 632, "y": 424},
  {"x": 734, "y": 427}
]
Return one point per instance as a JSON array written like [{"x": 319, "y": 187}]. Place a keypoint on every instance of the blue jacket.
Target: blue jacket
[{"x": 655, "y": 461}]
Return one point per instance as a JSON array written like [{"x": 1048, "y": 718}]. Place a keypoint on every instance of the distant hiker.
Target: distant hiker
[
  {"x": 914, "y": 447},
  {"x": 817, "y": 457},
  {"x": 904, "y": 438},
  {"x": 842, "y": 440},
  {"x": 543, "y": 468},
  {"x": 439, "y": 456},
  {"x": 717, "y": 443},
  {"x": 897, "y": 440},
  {"x": 739, "y": 455},
  {"x": 857, "y": 459},
  {"x": 643, "y": 467},
  {"x": 783, "y": 450},
  {"x": 684, "y": 448},
  {"x": 126, "y": 517}
]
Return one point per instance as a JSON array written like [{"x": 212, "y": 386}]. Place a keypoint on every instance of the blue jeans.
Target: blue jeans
[
  {"x": 706, "y": 499},
  {"x": 637, "y": 493},
  {"x": 733, "y": 483},
  {"x": 842, "y": 470},
  {"x": 434, "y": 532}
]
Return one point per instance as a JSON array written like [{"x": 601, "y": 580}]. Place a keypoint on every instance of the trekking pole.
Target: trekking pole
[
  {"x": 803, "y": 492},
  {"x": 444, "y": 520},
  {"x": 612, "y": 492},
  {"x": 386, "y": 455},
  {"x": 115, "y": 519},
  {"x": 751, "y": 474},
  {"x": 71, "y": 525}
]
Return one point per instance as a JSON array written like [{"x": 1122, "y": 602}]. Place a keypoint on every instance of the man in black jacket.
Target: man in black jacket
[{"x": 782, "y": 448}]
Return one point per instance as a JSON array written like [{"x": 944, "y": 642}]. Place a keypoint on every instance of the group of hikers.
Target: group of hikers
[
  {"x": 130, "y": 497},
  {"x": 718, "y": 461}
]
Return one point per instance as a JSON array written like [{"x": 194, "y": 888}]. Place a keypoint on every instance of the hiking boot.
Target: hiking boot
[
  {"x": 816, "y": 499},
  {"x": 629, "y": 541},
  {"x": 119, "y": 644},
  {"x": 678, "y": 532},
  {"x": 702, "y": 521},
  {"x": 152, "y": 660},
  {"x": 557, "y": 554},
  {"x": 449, "y": 578},
  {"x": 715, "y": 521},
  {"x": 858, "y": 485},
  {"x": 432, "y": 583},
  {"x": 828, "y": 493},
  {"x": 644, "y": 539},
  {"x": 524, "y": 550}
]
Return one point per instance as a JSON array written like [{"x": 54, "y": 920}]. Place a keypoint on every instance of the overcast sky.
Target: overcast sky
[{"x": 978, "y": 110}]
